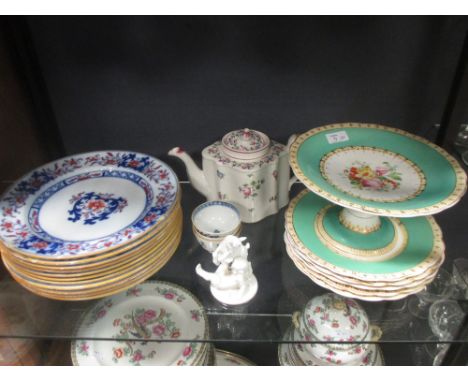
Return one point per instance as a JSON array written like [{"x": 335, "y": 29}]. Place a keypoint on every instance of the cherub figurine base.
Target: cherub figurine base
[{"x": 233, "y": 282}]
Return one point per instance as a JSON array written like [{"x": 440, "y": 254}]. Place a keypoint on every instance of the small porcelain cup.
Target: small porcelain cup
[{"x": 213, "y": 221}]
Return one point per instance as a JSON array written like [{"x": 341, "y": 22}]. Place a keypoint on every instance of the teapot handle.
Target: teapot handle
[
  {"x": 291, "y": 140},
  {"x": 292, "y": 181},
  {"x": 376, "y": 332}
]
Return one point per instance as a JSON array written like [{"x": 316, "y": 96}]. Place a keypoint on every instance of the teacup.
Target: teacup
[{"x": 213, "y": 221}]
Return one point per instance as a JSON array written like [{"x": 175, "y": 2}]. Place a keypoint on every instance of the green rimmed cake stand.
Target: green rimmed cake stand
[{"x": 383, "y": 183}]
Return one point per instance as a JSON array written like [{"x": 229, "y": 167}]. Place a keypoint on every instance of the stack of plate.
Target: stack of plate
[
  {"x": 408, "y": 272},
  {"x": 90, "y": 225},
  {"x": 158, "y": 323}
]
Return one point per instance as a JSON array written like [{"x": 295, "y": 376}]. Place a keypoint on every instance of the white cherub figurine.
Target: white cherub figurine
[{"x": 233, "y": 283}]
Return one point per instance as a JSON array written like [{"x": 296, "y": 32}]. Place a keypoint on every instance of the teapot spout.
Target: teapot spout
[{"x": 195, "y": 175}]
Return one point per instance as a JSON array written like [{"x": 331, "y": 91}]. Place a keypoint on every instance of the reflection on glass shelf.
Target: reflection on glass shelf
[
  {"x": 282, "y": 290},
  {"x": 442, "y": 287}
]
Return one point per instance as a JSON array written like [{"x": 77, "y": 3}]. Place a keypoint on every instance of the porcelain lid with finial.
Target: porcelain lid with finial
[
  {"x": 245, "y": 144},
  {"x": 334, "y": 318}
]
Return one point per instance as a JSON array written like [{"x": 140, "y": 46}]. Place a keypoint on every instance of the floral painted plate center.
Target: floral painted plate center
[
  {"x": 86, "y": 206},
  {"x": 136, "y": 327},
  {"x": 145, "y": 321},
  {"x": 372, "y": 174}
]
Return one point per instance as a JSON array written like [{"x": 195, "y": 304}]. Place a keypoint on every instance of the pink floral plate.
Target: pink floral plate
[{"x": 138, "y": 318}]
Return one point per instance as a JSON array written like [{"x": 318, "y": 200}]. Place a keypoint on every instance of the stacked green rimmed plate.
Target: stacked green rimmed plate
[
  {"x": 154, "y": 323},
  {"x": 375, "y": 240}
]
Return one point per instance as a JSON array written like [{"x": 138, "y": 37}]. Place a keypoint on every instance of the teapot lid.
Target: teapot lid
[
  {"x": 334, "y": 318},
  {"x": 246, "y": 144}
]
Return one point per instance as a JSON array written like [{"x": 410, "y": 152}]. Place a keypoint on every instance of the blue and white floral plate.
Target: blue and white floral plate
[{"x": 87, "y": 204}]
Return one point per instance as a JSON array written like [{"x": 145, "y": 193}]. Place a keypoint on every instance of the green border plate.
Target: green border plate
[{"x": 445, "y": 179}]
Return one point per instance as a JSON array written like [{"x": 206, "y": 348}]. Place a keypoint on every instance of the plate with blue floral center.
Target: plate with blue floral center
[{"x": 86, "y": 204}]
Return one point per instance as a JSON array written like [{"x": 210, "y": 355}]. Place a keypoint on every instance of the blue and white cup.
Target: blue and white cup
[{"x": 214, "y": 220}]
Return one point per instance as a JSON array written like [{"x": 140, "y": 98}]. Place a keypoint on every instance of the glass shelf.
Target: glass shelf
[{"x": 256, "y": 327}]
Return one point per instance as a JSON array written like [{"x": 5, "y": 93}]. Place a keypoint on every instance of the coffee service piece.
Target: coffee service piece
[{"x": 233, "y": 282}]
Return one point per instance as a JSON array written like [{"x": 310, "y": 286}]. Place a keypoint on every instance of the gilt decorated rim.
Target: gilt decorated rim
[
  {"x": 101, "y": 272},
  {"x": 377, "y": 169},
  {"x": 356, "y": 292},
  {"x": 100, "y": 288},
  {"x": 65, "y": 265},
  {"x": 425, "y": 246},
  {"x": 381, "y": 286},
  {"x": 226, "y": 358}
]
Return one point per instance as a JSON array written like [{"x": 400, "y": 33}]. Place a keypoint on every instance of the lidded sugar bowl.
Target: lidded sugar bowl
[
  {"x": 245, "y": 168},
  {"x": 341, "y": 325}
]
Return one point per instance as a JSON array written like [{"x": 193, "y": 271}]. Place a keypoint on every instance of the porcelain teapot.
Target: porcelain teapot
[{"x": 244, "y": 168}]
